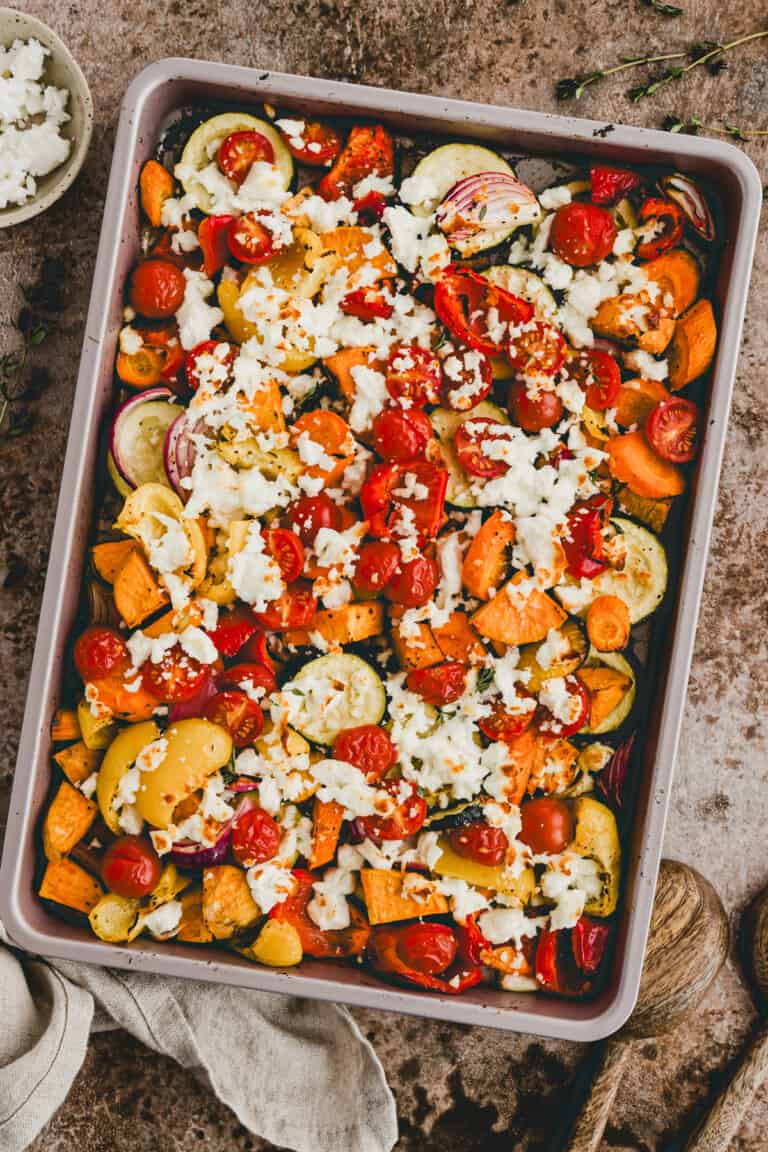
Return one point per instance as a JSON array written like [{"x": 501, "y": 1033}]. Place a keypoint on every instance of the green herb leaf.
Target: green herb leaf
[
  {"x": 663, "y": 9},
  {"x": 485, "y": 678}
]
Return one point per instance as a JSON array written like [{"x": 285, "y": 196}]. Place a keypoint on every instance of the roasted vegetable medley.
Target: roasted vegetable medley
[{"x": 396, "y": 443}]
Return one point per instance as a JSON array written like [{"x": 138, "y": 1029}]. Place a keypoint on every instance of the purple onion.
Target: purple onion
[
  {"x": 194, "y": 707},
  {"x": 613, "y": 777},
  {"x": 118, "y": 448},
  {"x": 190, "y": 855},
  {"x": 356, "y": 831},
  {"x": 179, "y": 451},
  {"x": 243, "y": 784},
  {"x": 484, "y": 202}
]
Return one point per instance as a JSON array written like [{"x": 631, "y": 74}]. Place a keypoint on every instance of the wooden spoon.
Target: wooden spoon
[
  {"x": 720, "y": 1125},
  {"x": 687, "y": 945}
]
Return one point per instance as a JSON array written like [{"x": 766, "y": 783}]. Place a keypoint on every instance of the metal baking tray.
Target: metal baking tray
[{"x": 152, "y": 101}]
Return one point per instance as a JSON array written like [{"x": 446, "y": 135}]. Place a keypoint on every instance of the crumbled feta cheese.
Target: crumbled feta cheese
[
  {"x": 552, "y": 198},
  {"x": 254, "y": 574},
  {"x": 164, "y": 921},
  {"x": 270, "y": 884},
  {"x": 328, "y": 908},
  {"x": 196, "y": 318},
  {"x": 31, "y": 115},
  {"x": 552, "y": 649},
  {"x": 502, "y": 925},
  {"x": 646, "y": 366}
]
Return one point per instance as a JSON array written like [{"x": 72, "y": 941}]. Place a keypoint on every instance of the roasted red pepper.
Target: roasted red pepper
[
  {"x": 389, "y": 944},
  {"x": 331, "y": 945},
  {"x": 367, "y": 304},
  {"x": 233, "y": 630},
  {"x": 369, "y": 151},
  {"x": 477, "y": 312},
  {"x": 588, "y": 940},
  {"x": 610, "y": 184},
  {"x": 383, "y": 507},
  {"x": 212, "y": 235},
  {"x": 370, "y": 208},
  {"x": 565, "y": 960},
  {"x": 583, "y": 546},
  {"x": 669, "y": 219}
]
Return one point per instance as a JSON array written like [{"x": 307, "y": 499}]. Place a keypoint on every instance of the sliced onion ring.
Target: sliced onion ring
[
  {"x": 179, "y": 452},
  {"x": 483, "y": 205},
  {"x": 688, "y": 196},
  {"x": 188, "y": 854},
  {"x": 132, "y": 453}
]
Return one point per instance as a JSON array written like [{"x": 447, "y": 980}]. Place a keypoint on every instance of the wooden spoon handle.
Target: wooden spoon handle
[
  {"x": 724, "y": 1118},
  {"x": 587, "y": 1132}
]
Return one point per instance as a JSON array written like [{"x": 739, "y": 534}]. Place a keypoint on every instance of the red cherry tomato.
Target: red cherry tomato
[
  {"x": 100, "y": 652},
  {"x": 439, "y": 685},
  {"x": 368, "y": 747},
  {"x": 401, "y": 434},
  {"x": 317, "y": 145},
  {"x": 672, "y": 429},
  {"x": 547, "y": 824},
  {"x": 307, "y": 515},
  {"x": 668, "y": 221},
  {"x": 582, "y": 234},
  {"x": 256, "y": 650},
  {"x": 255, "y": 837},
  {"x": 579, "y": 714},
  {"x": 610, "y": 184},
  {"x": 415, "y": 583},
  {"x": 480, "y": 842},
  {"x": 538, "y": 349},
  {"x": 383, "y": 498},
  {"x": 367, "y": 304},
  {"x": 295, "y": 609},
  {"x": 406, "y": 819},
  {"x": 251, "y": 241},
  {"x": 240, "y": 151},
  {"x": 583, "y": 544},
  {"x": 199, "y": 366},
  {"x": 532, "y": 413},
  {"x": 467, "y": 378},
  {"x": 477, "y": 312},
  {"x": 157, "y": 289},
  {"x": 472, "y": 441},
  {"x": 369, "y": 151},
  {"x": 598, "y": 372},
  {"x": 287, "y": 550},
  {"x": 427, "y": 948},
  {"x": 253, "y": 679},
  {"x": 233, "y": 629},
  {"x": 501, "y": 725},
  {"x": 212, "y": 237},
  {"x": 414, "y": 374},
  {"x": 377, "y": 563},
  {"x": 177, "y": 676},
  {"x": 241, "y": 716},
  {"x": 131, "y": 867}
]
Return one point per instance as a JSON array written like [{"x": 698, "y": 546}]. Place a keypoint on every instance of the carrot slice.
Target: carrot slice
[
  {"x": 676, "y": 273},
  {"x": 635, "y": 400},
  {"x": 632, "y": 461},
  {"x": 155, "y": 187},
  {"x": 608, "y": 623},
  {"x": 693, "y": 347},
  {"x": 485, "y": 563}
]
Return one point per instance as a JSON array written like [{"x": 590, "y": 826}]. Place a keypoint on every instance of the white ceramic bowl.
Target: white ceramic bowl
[{"x": 62, "y": 70}]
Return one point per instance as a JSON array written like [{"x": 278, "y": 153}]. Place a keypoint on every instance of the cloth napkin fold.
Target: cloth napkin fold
[{"x": 298, "y": 1073}]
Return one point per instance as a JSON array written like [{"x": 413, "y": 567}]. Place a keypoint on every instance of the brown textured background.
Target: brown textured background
[{"x": 459, "y": 1089}]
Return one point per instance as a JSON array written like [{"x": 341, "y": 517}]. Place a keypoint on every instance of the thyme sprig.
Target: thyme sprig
[
  {"x": 693, "y": 125},
  {"x": 20, "y": 380},
  {"x": 709, "y": 54},
  {"x": 573, "y": 88},
  {"x": 663, "y": 9}
]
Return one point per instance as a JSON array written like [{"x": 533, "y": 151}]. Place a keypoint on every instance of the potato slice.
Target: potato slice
[
  {"x": 114, "y": 917},
  {"x": 119, "y": 757},
  {"x": 195, "y": 750}
]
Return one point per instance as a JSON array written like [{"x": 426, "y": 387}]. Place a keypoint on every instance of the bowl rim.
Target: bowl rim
[{"x": 32, "y": 26}]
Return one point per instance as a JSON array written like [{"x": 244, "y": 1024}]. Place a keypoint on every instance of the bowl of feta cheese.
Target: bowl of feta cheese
[{"x": 46, "y": 117}]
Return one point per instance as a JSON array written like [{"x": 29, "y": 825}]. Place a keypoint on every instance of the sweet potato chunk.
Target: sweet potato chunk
[
  {"x": 77, "y": 761},
  {"x": 136, "y": 591},
  {"x": 67, "y": 883},
  {"x": 458, "y": 641},
  {"x": 415, "y": 648},
  {"x": 606, "y": 687},
  {"x": 228, "y": 906},
  {"x": 327, "y": 819},
  {"x": 345, "y": 625},
  {"x": 69, "y": 816},
  {"x": 693, "y": 348},
  {"x": 65, "y": 725},
  {"x": 518, "y": 618},
  {"x": 192, "y": 928},
  {"x": 385, "y": 902},
  {"x": 485, "y": 563},
  {"x": 108, "y": 558}
]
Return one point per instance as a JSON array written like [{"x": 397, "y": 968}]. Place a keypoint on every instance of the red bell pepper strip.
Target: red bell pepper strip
[
  {"x": 212, "y": 235},
  {"x": 610, "y": 184},
  {"x": 382, "y": 507},
  {"x": 668, "y": 217},
  {"x": 366, "y": 304},
  {"x": 384, "y": 956},
  {"x": 334, "y": 944},
  {"x": 583, "y": 546},
  {"x": 588, "y": 940},
  {"x": 477, "y": 312}
]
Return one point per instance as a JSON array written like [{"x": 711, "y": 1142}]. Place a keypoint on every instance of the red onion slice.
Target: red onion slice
[
  {"x": 194, "y": 707},
  {"x": 687, "y": 195},
  {"x": 613, "y": 777},
  {"x": 136, "y": 438},
  {"x": 179, "y": 451},
  {"x": 188, "y": 854},
  {"x": 482, "y": 210}
]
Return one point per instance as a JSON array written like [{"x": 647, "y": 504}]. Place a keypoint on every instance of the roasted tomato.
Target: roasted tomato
[
  {"x": 582, "y": 234},
  {"x": 409, "y": 811},
  {"x": 414, "y": 954},
  {"x": 241, "y": 716},
  {"x": 480, "y": 842},
  {"x": 295, "y": 609},
  {"x": 367, "y": 304},
  {"x": 377, "y": 563},
  {"x": 369, "y": 151},
  {"x": 240, "y": 151},
  {"x": 477, "y": 312},
  {"x": 157, "y": 289},
  {"x": 334, "y": 943},
  {"x": 256, "y": 680},
  {"x": 414, "y": 374},
  {"x": 547, "y": 825},
  {"x": 439, "y": 685},
  {"x": 583, "y": 544},
  {"x": 578, "y": 711},
  {"x": 672, "y": 429},
  {"x": 537, "y": 349},
  {"x": 467, "y": 378},
  {"x": 307, "y": 515},
  {"x": 473, "y": 442},
  {"x": 233, "y": 629},
  {"x": 534, "y": 411},
  {"x": 251, "y": 241},
  {"x": 176, "y": 677},
  {"x": 588, "y": 940},
  {"x": 256, "y": 651},
  {"x": 502, "y": 725},
  {"x": 401, "y": 434},
  {"x": 415, "y": 583},
  {"x": 398, "y": 498},
  {"x": 212, "y": 236},
  {"x": 209, "y": 363},
  {"x": 665, "y": 221},
  {"x": 368, "y": 747},
  {"x": 597, "y": 372},
  {"x": 131, "y": 867},
  {"x": 316, "y": 144},
  {"x": 287, "y": 550},
  {"x": 610, "y": 184},
  {"x": 255, "y": 837},
  {"x": 427, "y": 948},
  {"x": 370, "y": 208},
  {"x": 100, "y": 652}
]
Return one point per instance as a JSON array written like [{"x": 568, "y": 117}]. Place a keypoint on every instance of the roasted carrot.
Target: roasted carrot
[
  {"x": 635, "y": 400},
  {"x": 327, "y": 819},
  {"x": 485, "y": 563},
  {"x": 155, "y": 187},
  {"x": 693, "y": 347},
  {"x": 632, "y": 461},
  {"x": 608, "y": 624},
  {"x": 676, "y": 273}
]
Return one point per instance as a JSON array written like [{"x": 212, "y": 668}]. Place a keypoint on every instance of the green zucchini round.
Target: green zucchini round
[
  {"x": 204, "y": 143},
  {"x": 356, "y": 691},
  {"x": 445, "y": 422}
]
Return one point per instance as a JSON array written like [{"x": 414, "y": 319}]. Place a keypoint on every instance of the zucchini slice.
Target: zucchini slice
[
  {"x": 445, "y": 422},
  {"x": 642, "y": 582},
  {"x": 450, "y": 163},
  {"x": 332, "y": 693},
  {"x": 616, "y": 715},
  {"x": 205, "y": 141}
]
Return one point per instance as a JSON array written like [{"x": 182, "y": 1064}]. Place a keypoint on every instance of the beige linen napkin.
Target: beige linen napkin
[{"x": 296, "y": 1072}]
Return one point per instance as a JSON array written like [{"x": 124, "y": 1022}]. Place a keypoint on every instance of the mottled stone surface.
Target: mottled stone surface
[{"x": 458, "y": 1089}]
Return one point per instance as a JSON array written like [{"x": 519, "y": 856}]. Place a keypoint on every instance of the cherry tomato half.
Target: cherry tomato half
[
  {"x": 582, "y": 234},
  {"x": 409, "y": 813},
  {"x": 369, "y": 151},
  {"x": 307, "y": 515},
  {"x": 177, "y": 676},
  {"x": 427, "y": 948},
  {"x": 414, "y": 374},
  {"x": 480, "y": 842},
  {"x": 467, "y": 378},
  {"x": 538, "y": 349},
  {"x": 439, "y": 685},
  {"x": 501, "y": 725},
  {"x": 672, "y": 429},
  {"x": 668, "y": 222},
  {"x": 157, "y": 289},
  {"x": 472, "y": 441},
  {"x": 415, "y": 583},
  {"x": 377, "y": 563},
  {"x": 477, "y": 312},
  {"x": 532, "y": 413},
  {"x": 418, "y": 486},
  {"x": 240, "y": 150},
  {"x": 610, "y": 184},
  {"x": 241, "y": 716},
  {"x": 100, "y": 652},
  {"x": 598, "y": 372},
  {"x": 287, "y": 550},
  {"x": 131, "y": 867},
  {"x": 368, "y": 747},
  {"x": 316, "y": 145},
  {"x": 401, "y": 434},
  {"x": 295, "y": 609},
  {"x": 251, "y": 241},
  {"x": 578, "y": 711},
  {"x": 255, "y": 837},
  {"x": 233, "y": 629},
  {"x": 253, "y": 679},
  {"x": 212, "y": 236},
  {"x": 209, "y": 363},
  {"x": 367, "y": 304},
  {"x": 547, "y": 824}
]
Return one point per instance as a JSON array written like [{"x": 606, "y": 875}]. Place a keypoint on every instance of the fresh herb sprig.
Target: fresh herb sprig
[
  {"x": 709, "y": 55},
  {"x": 573, "y": 88},
  {"x": 20, "y": 380},
  {"x": 663, "y": 9},
  {"x": 694, "y": 125}
]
